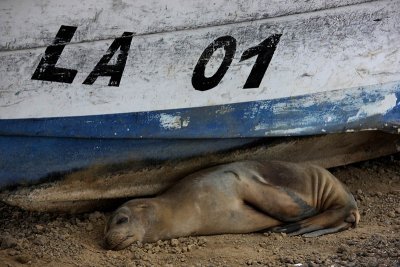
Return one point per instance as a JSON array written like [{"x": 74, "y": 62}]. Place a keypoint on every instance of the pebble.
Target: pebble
[
  {"x": 39, "y": 240},
  {"x": 95, "y": 216},
  {"x": 351, "y": 242},
  {"x": 23, "y": 259},
  {"x": 7, "y": 241},
  {"x": 89, "y": 227},
  {"x": 202, "y": 241},
  {"x": 13, "y": 252},
  {"x": 343, "y": 249},
  {"x": 312, "y": 264},
  {"x": 191, "y": 247},
  {"x": 174, "y": 242},
  {"x": 38, "y": 228}
]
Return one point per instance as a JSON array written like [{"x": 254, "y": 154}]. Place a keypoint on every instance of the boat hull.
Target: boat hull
[{"x": 103, "y": 83}]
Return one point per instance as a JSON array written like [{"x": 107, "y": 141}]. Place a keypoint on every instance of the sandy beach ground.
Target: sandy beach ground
[{"x": 45, "y": 239}]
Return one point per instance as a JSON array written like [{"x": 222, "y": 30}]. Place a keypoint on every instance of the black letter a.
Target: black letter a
[
  {"x": 115, "y": 71},
  {"x": 47, "y": 70}
]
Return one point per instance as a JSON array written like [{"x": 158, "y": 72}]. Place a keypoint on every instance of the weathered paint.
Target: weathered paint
[
  {"x": 369, "y": 107},
  {"x": 26, "y": 24},
  {"x": 317, "y": 52}
]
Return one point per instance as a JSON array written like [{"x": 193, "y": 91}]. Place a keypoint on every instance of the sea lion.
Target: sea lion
[{"x": 239, "y": 197}]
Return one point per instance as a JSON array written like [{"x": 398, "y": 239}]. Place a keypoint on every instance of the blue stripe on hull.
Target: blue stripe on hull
[
  {"x": 31, "y": 149},
  {"x": 28, "y": 159},
  {"x": 327, "y": 112}
]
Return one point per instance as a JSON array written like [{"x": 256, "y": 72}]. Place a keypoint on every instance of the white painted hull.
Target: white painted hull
[{"x": 115, "y": 70}]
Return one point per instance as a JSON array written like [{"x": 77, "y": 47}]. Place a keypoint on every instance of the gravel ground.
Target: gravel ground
[{"x": 43, "y": 239}]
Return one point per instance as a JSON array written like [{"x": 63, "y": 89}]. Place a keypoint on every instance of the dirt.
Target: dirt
[{"x": 46, "y": 239}]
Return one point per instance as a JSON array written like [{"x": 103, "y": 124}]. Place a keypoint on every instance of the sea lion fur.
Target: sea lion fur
[{"x": 239, "y": 197}]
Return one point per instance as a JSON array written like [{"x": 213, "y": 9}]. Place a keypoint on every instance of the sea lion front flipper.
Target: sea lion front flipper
[{"x": 329, "y": 221}]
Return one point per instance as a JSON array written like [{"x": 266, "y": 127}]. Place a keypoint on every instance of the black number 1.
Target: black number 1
[{"x": 265, "y": 50}]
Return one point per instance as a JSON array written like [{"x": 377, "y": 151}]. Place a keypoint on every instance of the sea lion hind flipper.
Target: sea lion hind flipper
[
  {"x": 330, "y": 221},
  {"x": 336, "y": 229}
]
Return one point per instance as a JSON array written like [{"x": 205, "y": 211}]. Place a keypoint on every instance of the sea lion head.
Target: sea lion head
[
  {"x": 127, "y": 224},
  {"x": 353, "y": 217}
]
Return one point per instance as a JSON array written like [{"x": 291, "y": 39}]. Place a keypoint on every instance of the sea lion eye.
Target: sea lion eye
[{"x": 122, "y": 220}]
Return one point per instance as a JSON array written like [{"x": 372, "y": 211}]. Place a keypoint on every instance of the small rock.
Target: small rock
[
  {"x": 343, "y": 249},
  {"x": 38, "y": 228},
  {"x": 287, "y": 260},
  {"x": 359, "y": 192},
  {"x": 174, "y": 242},
  {"x": 392, "y": 214},
  {"x": 397, "y": 210},
  {"x": 202, "y": 241},
  {"x": 191, "y": 247},
  {"x": 95, "y": 216},
  {"x": 39, "y": 240},
  {"x": 136, "y": 256},
  {"x": 7, "y": 241},
  {"x": 351, "y": 242},
  {"x": 312, "y": 264},
  {"x": 89, "y": 227},
  {"x": 23, "y": 259},
  {"x": 13, "y": 252}
]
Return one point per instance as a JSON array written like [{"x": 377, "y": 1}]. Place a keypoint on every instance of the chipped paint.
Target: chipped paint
[
  {"x": 378, "y": 107},
  {"x": 372, "y": 107},
  {"x": 171, "y": 122}
]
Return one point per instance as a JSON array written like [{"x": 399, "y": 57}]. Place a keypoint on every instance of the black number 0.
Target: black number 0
[
  {"x": 202, "y": 83},
  {"x": 264, "y": 52}
]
